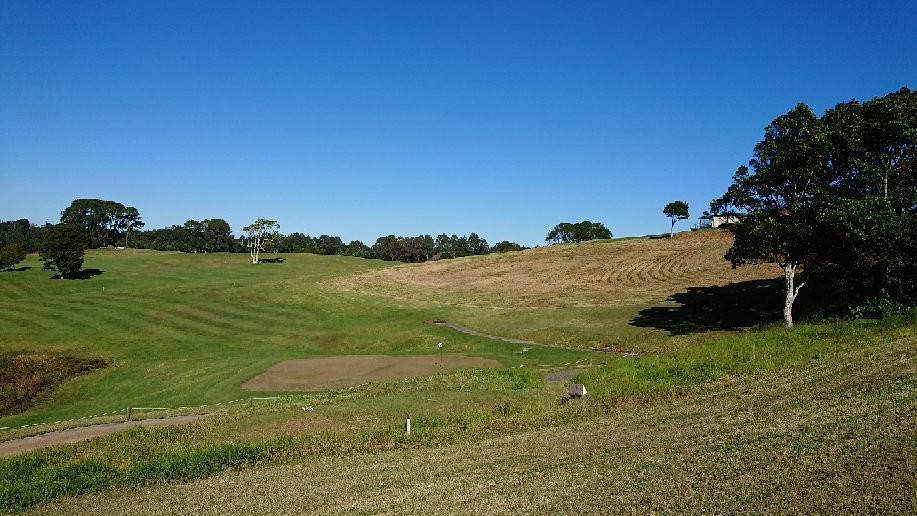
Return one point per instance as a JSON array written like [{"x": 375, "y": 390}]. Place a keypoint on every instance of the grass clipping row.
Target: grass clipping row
[{"x": 597, "y": 273}]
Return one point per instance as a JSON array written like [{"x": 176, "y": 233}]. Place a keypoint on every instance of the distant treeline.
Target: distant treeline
[
  {"x": 109, "y": 223},
  {"x": 22, "y": 233},
  {"x": 214, "y": 235}
]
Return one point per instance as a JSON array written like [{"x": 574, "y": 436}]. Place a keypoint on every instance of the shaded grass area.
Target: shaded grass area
[
  {"x": 837, "y": 433},
  {"x": 720, "y": 307},
  {"x": 469, "y": 406},
  {"x": 25, "y": 378}
]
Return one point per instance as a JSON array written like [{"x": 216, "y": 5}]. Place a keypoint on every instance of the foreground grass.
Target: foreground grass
[
  {"x": 836, "y": 434},
  {"x": 471, "y": 406}
]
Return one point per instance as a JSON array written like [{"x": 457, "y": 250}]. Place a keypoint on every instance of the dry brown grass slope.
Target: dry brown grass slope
[{"x": 599, "y": 273}]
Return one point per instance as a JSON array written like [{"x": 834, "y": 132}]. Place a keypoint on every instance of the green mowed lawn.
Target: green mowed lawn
[{"x": 185, "y": 330}]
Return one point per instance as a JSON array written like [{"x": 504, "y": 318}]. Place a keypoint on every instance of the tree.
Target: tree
[
  {"x": 780, "y": 198},
  {"x": 566, "y": 232},
  {"x": 257, "y": 233},
  {"x": 217, "y": 237},
  {"x": 506, "y": 245},
  {"x": 63, "y": 248},
  {"x": 130, "y": 221},
  {"x": 889, "y": 139},
  {"x": 477, "y": 245},
  {"x": 386, "y": 247},
  {"x": 102, "y": 222},
  {"x": 676, "y": 211},
  {"x": 11, "y": 254}
]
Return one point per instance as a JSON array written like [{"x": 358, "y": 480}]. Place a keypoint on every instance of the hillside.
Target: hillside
[
  {"x": 737, "y": 417},
  {"x": 592, "y": 274}
]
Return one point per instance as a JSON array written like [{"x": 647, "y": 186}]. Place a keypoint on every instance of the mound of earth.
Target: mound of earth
[
  {"x": 597, "y": 273},
  {"x": 324, "y": 373}
]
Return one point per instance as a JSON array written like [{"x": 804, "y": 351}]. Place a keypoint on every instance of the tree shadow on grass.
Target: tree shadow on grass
[
  {"x": 17, "y": 269},
  {"x": 729, "y": 307},
  {"x": 82, "y": 275}
]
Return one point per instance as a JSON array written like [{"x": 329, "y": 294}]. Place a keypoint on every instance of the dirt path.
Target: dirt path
[
  {"x": 476, "y": 333},
  {"x": 469, "y": 331},
  {"x": 72, "y": 435},
  {"x": 563, "y": 376}
]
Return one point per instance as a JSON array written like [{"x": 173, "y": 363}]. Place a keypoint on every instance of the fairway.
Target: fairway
[
  {"x": 316, "y": 374},
  {"x": 181, "y": 329}
]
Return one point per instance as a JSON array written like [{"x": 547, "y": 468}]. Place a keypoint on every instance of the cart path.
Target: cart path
[
  {"x": 563, "y": 376},
  {"x": 476, "y": 333},
  {"x": 73, "y": 435}
]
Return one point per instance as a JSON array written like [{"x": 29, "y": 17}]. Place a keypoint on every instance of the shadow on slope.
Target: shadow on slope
[
  {"x": 729, "y": 307},
  {"x": 82, "y": 275}
]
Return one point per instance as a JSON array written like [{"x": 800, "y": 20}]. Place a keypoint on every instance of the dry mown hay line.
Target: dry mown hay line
[{"x": 600, "y": 273}]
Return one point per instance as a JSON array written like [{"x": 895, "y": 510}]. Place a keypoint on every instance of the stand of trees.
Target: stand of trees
[
  {"x": 424, "y": 247},
  {"x": 99, "y": 223},
  {"x": 566, "y": 233},
  {"x": 205, "y": 236},
  {"x": 23, "y": 233},
  {"x": 103, "y": 222},
  {"x": 832, "y": 200}
]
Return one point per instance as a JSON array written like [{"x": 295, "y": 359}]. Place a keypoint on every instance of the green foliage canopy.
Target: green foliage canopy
[
  {"x": 566, "y": 232},
  {"x": 63, "y": 248}
]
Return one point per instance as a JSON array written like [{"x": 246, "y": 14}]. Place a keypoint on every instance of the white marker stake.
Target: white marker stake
[
  {"x": 407, "y": 423},
  {"x": 440, "y": 353}
]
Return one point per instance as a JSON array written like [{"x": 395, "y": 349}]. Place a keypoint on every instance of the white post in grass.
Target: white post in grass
[
  {"x": 440, "y": 354},
  {"x": 407, "y": 423}
]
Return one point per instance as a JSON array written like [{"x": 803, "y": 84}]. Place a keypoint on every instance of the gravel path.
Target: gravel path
[{"x": 72, "y": 435}]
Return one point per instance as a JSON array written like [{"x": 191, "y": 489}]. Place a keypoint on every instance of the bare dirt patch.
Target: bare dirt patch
[
  {"x": 323, "y": 373},
  {"x": 598, "y": 273}
]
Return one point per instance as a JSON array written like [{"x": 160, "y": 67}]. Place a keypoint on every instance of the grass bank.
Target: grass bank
[{"x": 476, "y": 406}]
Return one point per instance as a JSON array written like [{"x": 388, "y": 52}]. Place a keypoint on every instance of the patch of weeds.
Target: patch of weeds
[{"x": 25, "y": 378}]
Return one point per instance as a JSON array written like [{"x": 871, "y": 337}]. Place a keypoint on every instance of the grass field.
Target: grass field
[
  {"x": 826, "y": 427},
  {"x": 715, "y": 416},
  {"x": 181, "y": 329}
]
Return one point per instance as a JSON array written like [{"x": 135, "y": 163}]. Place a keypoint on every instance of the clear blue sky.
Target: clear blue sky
[{"x": 367, "y": 118}]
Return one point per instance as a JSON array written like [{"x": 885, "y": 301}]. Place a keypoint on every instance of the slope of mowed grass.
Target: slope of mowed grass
[
  {"x": 615, "y": 272},
  {"x": 834, "y": 433},
  {"x": 182, "y": 329},
  {"x": 635, "y": 291}
]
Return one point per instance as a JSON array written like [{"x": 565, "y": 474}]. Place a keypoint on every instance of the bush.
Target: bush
[
  {"x": 11, "y": 254},
  {"x": 878, "y": 309}
]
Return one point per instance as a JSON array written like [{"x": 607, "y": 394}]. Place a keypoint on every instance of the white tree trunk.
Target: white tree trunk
[{"x": 789, "y": 271}]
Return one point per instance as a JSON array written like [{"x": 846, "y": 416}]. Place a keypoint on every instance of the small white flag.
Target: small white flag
[{"x": 440, "y": 345}]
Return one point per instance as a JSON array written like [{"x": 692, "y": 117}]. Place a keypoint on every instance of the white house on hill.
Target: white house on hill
[{"x": 715, "y": 221}]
